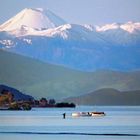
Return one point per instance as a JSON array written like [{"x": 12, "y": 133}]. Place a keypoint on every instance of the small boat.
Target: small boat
[
  {"x": 97, "y": 114},
  {"x": 81, "y": 114},
  {"x": 88, "y": 114}
]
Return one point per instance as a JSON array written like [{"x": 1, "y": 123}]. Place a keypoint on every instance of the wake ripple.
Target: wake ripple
[{"x": 69, "y": 133}]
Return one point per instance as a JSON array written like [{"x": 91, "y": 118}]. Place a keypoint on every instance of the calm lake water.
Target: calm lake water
[{"x": 121, "y": 123}]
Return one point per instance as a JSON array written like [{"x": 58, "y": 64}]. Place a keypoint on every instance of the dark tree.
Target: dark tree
[{"x": 52, "y": 102}]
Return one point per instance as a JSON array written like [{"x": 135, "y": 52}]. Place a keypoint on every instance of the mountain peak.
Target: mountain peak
[
  {"x": 131, "y": 26},
  {"x": 38, "y": 19}
]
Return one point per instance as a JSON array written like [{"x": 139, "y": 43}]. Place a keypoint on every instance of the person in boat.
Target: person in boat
[
  {"x": 64, "y": 115},
  {"x": 88, "y": 113}
]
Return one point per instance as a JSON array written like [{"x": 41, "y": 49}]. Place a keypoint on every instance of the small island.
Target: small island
[{"x": 12, "y": 99}]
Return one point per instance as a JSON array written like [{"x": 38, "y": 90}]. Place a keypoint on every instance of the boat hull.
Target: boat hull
[{"x": 88, "y": 114}]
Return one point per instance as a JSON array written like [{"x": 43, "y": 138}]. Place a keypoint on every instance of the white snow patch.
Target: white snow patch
[
  {"x": 130, "y": 27},
  {"x": 29, "y": 41},
  {"x": 107, "y": 27},
  {"x": 89, "y": 27},
  {"x": 7, "y": 42},
  {"x": 58, "y": 31}
]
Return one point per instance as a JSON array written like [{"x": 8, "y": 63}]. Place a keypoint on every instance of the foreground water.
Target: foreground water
[{"x": 121, "y": 123}]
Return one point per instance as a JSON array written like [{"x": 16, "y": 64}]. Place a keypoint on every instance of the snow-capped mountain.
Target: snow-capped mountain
[
  {"x": 32, "y": 19},
  {"x": 42, "y": 35}
]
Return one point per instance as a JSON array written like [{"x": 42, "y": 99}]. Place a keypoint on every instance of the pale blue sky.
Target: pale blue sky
[{"x": 96, "y": 12}]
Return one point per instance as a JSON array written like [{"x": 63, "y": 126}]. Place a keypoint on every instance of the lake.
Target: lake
[{"x": 120, "y": 122}]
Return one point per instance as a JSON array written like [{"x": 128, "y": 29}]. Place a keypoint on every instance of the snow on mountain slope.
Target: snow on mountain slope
[
  {"x": 107, "y": 27},
  {"x": 32, "y": 18},
  {"x": 60, "y": 31},
  {"x": 70, "y": 32},
  {"x": 130, "y": 27}
]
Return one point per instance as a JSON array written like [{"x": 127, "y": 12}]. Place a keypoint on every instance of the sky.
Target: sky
[{"x": 94, "y": 12}]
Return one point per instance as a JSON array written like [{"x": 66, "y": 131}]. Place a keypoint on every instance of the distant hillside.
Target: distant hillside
[
  {"x": 44, "y": 80},
  {"x": 108, "y": 96},
  {"x": 17, "y": 94}
]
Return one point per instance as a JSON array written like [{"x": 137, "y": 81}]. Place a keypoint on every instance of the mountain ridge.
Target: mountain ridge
[
  {"x": 81, "y": 47},
  {"x": 107, "y": 96}
]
